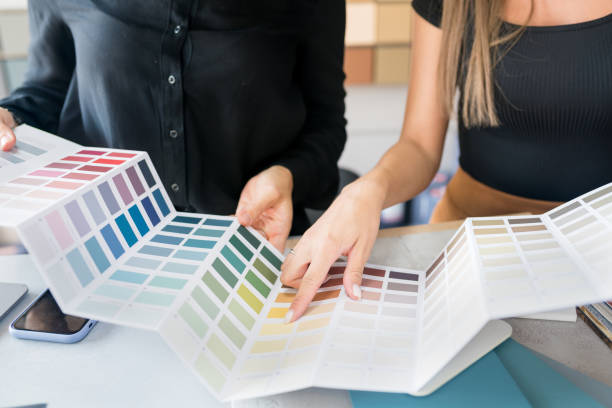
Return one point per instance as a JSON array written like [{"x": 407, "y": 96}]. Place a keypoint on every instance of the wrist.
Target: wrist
[
  {"x": 283, "y": 179},
  {"x": 378, "y": 182},
  {"x": 370, "y": 187}
]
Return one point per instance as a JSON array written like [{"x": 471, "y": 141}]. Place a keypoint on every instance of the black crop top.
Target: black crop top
[{"x": 555, "y": 138}]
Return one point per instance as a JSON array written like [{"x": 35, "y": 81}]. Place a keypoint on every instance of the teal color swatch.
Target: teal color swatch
[
  {"x": 97, "y": 254},
  {"x": 177, "y": 229},
  {"x": 80, "y": 268},
  {"x": 155, "y": 250},
  {"x": 233, "y": 259},
  {"x": 154, "y": 298},
  {"x": 129, "y": 277},
  {"x": 191, "y": 255},
  {"x": 179, "y": 268},
  {"x": 206, "y": 232}
]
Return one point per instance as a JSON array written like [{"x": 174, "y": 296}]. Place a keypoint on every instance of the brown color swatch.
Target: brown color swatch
[
  {"x": 371, "y": 283},
  {"x": 374, "y": 272},
  {"x": 332, "y": 282},
  {"x": 331, "y": 294},
  {"x": 530, "y": 228}
]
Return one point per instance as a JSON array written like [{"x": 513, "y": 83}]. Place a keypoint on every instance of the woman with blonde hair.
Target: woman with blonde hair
[{"x": 534, "y": 79}]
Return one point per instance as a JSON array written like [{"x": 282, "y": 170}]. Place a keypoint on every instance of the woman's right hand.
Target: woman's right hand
[
  {"x": 7, "y": 136},
  {"x": 349, "y": 227}
]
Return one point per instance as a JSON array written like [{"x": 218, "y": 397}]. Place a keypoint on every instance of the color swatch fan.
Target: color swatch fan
[{"x": 110, "y": 245}]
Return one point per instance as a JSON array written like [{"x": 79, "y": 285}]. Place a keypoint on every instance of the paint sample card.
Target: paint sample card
[
  {"x": 230, "y": 328},
  {"x": 101, "y": 229},
  {"x": 87, "y": 243},
  {"x": 33, "y": 149}
]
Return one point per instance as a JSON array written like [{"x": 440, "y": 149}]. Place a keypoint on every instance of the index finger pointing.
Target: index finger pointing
[
  {"x": 294, "y": 266},
  {"x": 310, "y": 283},
  {"x": 7, "y": 138}
]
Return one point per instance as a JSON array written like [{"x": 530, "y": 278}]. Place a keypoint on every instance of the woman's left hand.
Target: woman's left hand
[{"x": 266, "y": 205}]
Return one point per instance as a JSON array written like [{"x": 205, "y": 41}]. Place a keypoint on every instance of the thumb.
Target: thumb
[
  {"x": 253, "y": 202},
  {"x": 7, "y": 137}
]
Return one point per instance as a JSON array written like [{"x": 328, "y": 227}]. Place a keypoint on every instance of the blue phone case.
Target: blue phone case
[{"x": 46, "y": 336}]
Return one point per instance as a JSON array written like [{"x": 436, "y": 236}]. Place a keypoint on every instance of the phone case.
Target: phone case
[{"x": 46, "y": 336}]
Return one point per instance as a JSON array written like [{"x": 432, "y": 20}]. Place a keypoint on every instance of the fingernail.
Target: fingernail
[
  {"x": 356, "y": 291},
  {"x": 289, "y": 316},
  {"x": 3, "y": 142}
]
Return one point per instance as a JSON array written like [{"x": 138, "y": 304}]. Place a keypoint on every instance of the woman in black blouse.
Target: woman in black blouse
[
  {"x": 535, "y": 124},
  {"x": 240, "y": 104}
]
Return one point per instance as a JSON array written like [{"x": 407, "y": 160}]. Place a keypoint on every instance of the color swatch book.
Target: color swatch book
[
  {"x": 111, "y": 247},
  {"x": 599, "y": 317}
]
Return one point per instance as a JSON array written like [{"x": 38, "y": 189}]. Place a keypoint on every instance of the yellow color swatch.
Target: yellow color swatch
[
  {"x": 313, "y": 324},
  {"x": 318, "y": 309},
  {"x": 273, "y": 329},
  {"x": 277, "y": 312},
  {"x": 285, "y": 297},
  {"x": 269, "y": 346}
]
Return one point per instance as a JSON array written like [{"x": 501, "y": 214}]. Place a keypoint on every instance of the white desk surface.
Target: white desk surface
[{"x": 118, "y": 366}]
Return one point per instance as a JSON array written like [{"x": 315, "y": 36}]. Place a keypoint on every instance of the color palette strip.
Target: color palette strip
[
  {"x": 113, "y": 248},
  {"x": 379, "y": 332},
  {"x": 40, "y": 188},
  {"x": 220, "y": 311},
  {"x": 22, "y": 152},
  {"x": 100, "y": 226}
]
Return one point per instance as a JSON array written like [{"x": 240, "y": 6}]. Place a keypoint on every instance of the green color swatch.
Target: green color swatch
[
  {"x": 224, "y": 272},
  {"x": 232, "y": 332},
  {"x": 273, "y": 259},
  {"x": 241, "y": 314},
  {"x": 249, "y": 236},
  {"x": 244, "y": 251},
  {"x": 193, "y": 320},
  {"x": 220, "y": 350},
  {"x": 214, "y": 285},
  {"x": 265, "y": 271},
  {"x": 204, "y": 302},
  {"x": 258, "y": 284},
  {"x": 209, "y": 372}
]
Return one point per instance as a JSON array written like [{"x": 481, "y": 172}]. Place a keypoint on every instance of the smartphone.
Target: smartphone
[{"x": 44, "y": 320}]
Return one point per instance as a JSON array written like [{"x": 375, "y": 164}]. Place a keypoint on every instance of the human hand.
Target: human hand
[
  {"x": 348, "y": 227},
  {"x": 7, "y": 136},
  {"x": 266, "y": 205}
]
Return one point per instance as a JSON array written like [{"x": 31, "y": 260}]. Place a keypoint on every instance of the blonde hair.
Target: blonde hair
[{"x": 483, "y": 19}]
